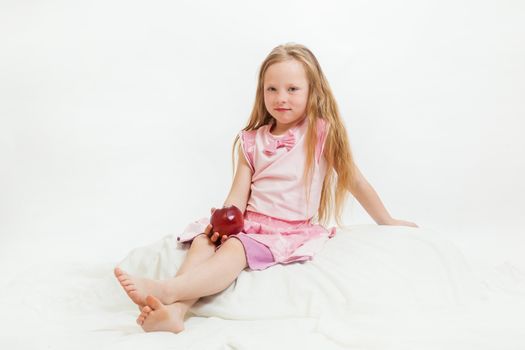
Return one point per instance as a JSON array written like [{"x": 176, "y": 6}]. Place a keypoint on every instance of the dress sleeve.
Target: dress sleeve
[
  {"x": 248, "y": 145},
  {"x": 322, "y": 132}
]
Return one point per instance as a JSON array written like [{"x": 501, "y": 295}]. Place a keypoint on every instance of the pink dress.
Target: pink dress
[{"x": 278, "y": 225}]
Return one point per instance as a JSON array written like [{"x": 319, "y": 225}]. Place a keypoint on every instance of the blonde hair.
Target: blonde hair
[{"x": 341, "y": 173}]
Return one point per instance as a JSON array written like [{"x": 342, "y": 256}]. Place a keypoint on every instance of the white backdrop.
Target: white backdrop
[{"x": 117, "y": 117}]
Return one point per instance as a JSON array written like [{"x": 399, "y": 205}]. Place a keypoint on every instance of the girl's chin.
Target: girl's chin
[{"x": 287, "y": 121}]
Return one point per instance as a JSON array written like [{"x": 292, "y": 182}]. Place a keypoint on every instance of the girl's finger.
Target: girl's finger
[
  {"x": 207, "y": 229},
  {"x": 224, "y": 238}
]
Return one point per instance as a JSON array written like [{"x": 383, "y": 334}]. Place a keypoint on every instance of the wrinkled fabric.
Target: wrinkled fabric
[
  {"x": 288, "y": 241},
  {"x": 258, "y": 256}
]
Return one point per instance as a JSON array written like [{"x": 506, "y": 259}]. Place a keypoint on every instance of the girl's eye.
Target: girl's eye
[{"x": 292, "y": 88}]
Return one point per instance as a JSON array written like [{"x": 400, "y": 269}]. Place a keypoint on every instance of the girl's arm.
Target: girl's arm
[
  {"x": 370, "y": 201},
  {"x": 239, "y": 193},
  {"x": 240, "y": 190}
]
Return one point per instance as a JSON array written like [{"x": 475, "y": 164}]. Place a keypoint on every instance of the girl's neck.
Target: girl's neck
[{"x": 280, "y": 130}]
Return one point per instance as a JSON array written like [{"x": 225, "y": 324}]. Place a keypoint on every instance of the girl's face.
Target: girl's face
[{"x": 286, "y": 93}]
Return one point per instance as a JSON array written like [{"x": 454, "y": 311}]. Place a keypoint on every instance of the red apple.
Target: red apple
[{"x": 227, "y": 220}]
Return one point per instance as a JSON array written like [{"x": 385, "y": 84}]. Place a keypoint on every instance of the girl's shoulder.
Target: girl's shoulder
[
  {"x": 247, "y": 133},
  {"x": 247, "y": 137}
]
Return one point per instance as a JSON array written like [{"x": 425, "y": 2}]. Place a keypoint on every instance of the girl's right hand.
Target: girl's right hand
[{"x": 214, "y": 236}]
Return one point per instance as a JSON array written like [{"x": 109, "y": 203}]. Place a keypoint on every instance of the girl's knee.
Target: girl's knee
[
  {"x": 232, "y": 242},
  {"x": 235, "y": 245},
  {"x": 202, "y": 240}
]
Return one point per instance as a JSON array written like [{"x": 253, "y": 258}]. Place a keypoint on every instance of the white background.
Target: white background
[{"x": 117, "y": 117}]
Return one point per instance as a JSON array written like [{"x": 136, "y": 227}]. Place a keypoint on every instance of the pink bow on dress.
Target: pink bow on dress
[{"x": 287, "y": 141}]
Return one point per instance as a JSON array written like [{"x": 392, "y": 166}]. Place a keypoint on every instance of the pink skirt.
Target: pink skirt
[{"x": 268, "y": 241}]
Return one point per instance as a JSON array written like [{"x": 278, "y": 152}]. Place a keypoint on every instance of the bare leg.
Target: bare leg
[
  {"x": 156, "y": 316},
  {"x": 171, "y": 317},
  {"x": 210, "y": 277},
  {"x": 204, "y": 250},
  {"x": 138, "y": 288}
]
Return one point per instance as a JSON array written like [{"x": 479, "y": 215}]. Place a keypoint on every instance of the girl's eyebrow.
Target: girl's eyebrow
[{"x": 284, "y": 84}]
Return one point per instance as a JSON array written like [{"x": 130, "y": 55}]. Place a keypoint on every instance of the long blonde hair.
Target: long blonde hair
[{"x": 341, "y": 173}]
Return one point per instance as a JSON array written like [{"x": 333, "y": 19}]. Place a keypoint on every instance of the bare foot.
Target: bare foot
[
  {"x": 138, "y": 288},
  {"x": 156, "y": 316}
]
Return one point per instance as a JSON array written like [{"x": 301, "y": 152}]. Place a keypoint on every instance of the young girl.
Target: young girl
[{"x": 294, "y": 166}]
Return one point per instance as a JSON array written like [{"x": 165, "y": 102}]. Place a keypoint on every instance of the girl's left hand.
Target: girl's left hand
[{"x": 396, "y": 222}]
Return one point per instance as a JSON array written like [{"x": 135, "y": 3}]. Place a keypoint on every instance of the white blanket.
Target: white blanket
[{"x": 372, "y": 287}]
